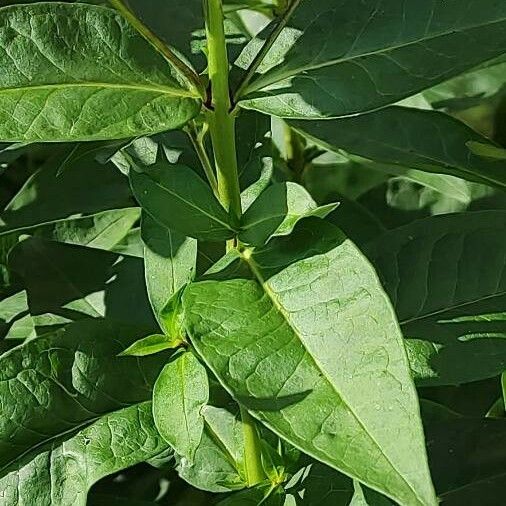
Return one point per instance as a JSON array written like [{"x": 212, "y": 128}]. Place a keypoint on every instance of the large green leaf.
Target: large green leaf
[
  {"x": 170, "y": 261},
  {"x": 427, "y": 140},
  {"x": 80, "y": 72},
  {"x": 61, "y": 473},
  {"x": 312, "y": 347},
  {"x": 77, "y": 282},
  {"x": 338, "y": 58},
  {"x": 445, "y": 276},
  {"x": 177, "y": 198},
  {"x": 59, "y": 382},
  {"x": 180, "y": 393}
]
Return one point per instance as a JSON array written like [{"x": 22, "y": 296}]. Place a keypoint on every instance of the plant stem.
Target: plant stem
[
  {"x": 198, "y": 144},
  {"x": 188, "y": 73},
  {"x": 222, "y": 129},
  {"x": 252, "y": 457},
  {"x": 273, "y": 36},
  {"x": 221, "y": 120}
]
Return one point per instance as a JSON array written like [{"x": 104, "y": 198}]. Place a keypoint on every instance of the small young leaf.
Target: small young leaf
[
  {"x": 276, "y": 212},
  {"x": 487, "y": 150},
  {"x": 151, "y": 345},
  {"x": 180, "y": 393},
  {"x": 178, "y": 199}
]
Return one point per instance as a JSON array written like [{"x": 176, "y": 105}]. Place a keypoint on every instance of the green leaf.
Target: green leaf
[
  {"x": 219, "y": 459},
  {"x": 426, "y": 140},
  {"x": 384, "y": 51},
  {"x": 180, "y": 393},
  {"x": 150, "y": 345},
  {"x": 80, "y": 72},
  {"x": 61, "y": 381},
  {"x": 77, "y": 282},
  {"x": 178, "y": 199},
  {"x": 276, "y": 212},
  {"x": 261, "y": 495},
  {"x": 487, "y": 150},
  {"x": 169, "y": 261},
  {"x": 63, "y": 472},
  {"x": 312, "y": 347},
  {"x": 445, "y": 276}
]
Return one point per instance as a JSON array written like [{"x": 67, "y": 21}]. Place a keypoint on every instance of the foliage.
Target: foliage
[{"x": 253, "y": 252}]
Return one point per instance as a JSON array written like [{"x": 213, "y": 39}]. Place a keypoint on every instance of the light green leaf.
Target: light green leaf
[
  {"x": 265, "y": 494},
  {"x": 150, "y": 345},
  {"x": 426, "y": 140},
  {"x": 169, "y": 260},
  {"x": 219, "y": 459},
  {"x": 179, "y": 200},
  {"x": 62, "y": 472},
  {"x": 383, "y": 52},
  {"x": 276, "y": 212},
  {"x": 59, "y": 382},
  {"x": 445, "y": 276},
  {"x": 487, "y": 150},
  {"x": 180, "y": 393},
  {"x": 80, "y": 72},
  {"x": 312, "y": 347}
]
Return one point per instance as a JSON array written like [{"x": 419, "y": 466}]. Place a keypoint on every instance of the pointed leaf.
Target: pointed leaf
[
  {"x": 178, "y": 199},
  {"x": 276, "y": 212},
  {"x": 181, "y": 391},
  {"x": 385, "y": 51},
  {"x": 151, "y": 345},
  {"x": 426, "y": 140},
  {"x": 445, "y": 276},
  {"x": 81, "y": 72},
  {"x": 312, "y": 347}
]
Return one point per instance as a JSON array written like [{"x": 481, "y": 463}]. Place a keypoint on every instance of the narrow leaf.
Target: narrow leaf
[{"x": 150, "y": 345}]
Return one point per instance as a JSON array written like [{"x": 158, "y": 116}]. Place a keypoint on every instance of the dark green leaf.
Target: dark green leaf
[
  {"x": 276, "y": 212},
  {"x": 445, "y": 276},
  {"x": 311, "y": 346},
  {"x": 80, "y": 72},
  {"x": 181, "y": 391},
  {"x": 381, "y": 52},
  {"x": 425, "y": 140},
  {"x": 178, "y": 199},
  {"x": 170, "y": 261}
]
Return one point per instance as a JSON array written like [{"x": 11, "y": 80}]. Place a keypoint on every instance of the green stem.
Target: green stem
[
  {"x": 188, "y": 73},
  {"x": 260, "y": 56},
  {"x": 221, "y": 120},
  {"x": 252, "y": 456},
  {"x": 222, "y": 129},
  {"x": 198, "y": 144}
]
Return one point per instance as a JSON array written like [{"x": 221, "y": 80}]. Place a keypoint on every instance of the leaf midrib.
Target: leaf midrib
[
  {"x": 164, "y": 90},
  {"x": 277, "y": 304},
  {"x": 271, "y": 77}
]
